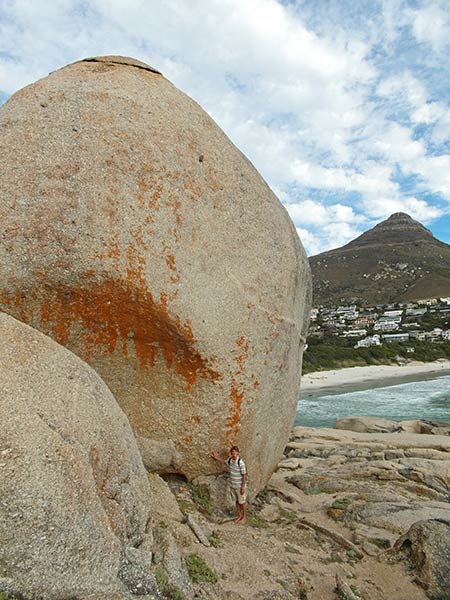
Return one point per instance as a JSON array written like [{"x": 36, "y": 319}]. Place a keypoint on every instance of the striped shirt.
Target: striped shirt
[{"x": 237, "y": 470}]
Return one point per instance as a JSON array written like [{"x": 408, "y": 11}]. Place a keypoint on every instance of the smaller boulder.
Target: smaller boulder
[
  {"x": 428, "y": 545},
  {"x": 74, "y": 516},
  {"x": 159, "y": 456},
  {"x": 367, "y": 425}
]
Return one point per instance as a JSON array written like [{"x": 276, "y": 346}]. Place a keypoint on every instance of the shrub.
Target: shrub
[{"x": 198, "y": 569}]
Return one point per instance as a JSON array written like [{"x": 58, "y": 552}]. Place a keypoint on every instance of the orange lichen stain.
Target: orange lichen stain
[
  {"x": 170, "y": 260},
  {"x": 188, "y": 439},
  {"x": 114, "y": 315},
  {"x": 195, "y": 420},
  {"x": 237, "y": 392},
  {"x": 233, "y": 421},
  {"x": 256, "y": 384}
]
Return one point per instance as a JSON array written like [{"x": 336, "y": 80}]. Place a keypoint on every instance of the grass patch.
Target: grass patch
[
  {"x": 187, "y": 507},
  {"x": 380, "y": 542},
  {"x": 169, "y": 591},
  {"x": 342, "y": 503},
  {"x": 283, "y": 584},
  {"x": 263, "y": 498},
  {"x": 255, "y": 520},
  {"x": 201, "y": 498},
  {"x": 198, "y": 569},
  {"x": 215, "y": 541},
  {"x": 313, "y": 491},
  {"x": 288, "y": 515}
]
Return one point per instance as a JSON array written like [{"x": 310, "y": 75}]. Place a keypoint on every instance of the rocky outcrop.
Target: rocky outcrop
[
  {"x": 380, "y": 425},
  {"x": 367, "y": 424},
  {"x": 139, "y": 237},
  {"x": 74, "y": 518},
  {"x": 428, "y": 545}
]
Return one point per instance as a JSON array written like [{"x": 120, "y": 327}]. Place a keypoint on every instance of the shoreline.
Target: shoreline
[{"x": 352, "y": 379}]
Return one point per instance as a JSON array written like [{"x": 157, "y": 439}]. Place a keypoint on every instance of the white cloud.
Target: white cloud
[
  {"x": 323, "y": 102},
  {"x": 431, "y": 24}
]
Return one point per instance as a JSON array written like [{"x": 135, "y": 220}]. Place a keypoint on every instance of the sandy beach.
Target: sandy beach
[{"x": 360, "y": 378}]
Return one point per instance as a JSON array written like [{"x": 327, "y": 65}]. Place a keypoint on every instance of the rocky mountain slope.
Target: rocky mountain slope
[{"x": 398, "y": 260}]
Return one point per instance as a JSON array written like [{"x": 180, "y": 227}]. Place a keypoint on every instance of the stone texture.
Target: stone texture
[
  {"x": 74, "y": 493},
  {"x": 367, "y": 424},
  {"x": 428, "y": 543},
  {"x": 137, "y": 235},
  {"x": 159, "y": 455}
]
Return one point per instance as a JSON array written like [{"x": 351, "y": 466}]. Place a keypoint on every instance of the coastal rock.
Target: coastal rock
[
  {"x": 74, "y": 511},
  {"x": 139, "y": 237},
  {"x": 159, "y": 455},
  {"x": 398, "y": 516},
  {"x": 428, "y": 544},
  {"x": 367, "y": 424},
  {"x": 174, "y": 565}
]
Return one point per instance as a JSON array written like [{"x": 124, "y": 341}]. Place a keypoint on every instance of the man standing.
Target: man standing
[{"x": 238, "y": 480}]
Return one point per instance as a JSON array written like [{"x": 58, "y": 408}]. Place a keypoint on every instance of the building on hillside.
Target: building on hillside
[
  {"x": 386, "y": 326},
  {"x": 371, "y": 340},
  {"x": 354, "y": 333},
  {"x": 314, "y": 314},
  {"x": 396, "y": 337},
  {"x": 428, "y": 301},
  {"x": 435, "y": 334},
  {"x": 393, "y": 313},
  {"x": 418, "y": 335},
  {"x": 415, "y": 312}
]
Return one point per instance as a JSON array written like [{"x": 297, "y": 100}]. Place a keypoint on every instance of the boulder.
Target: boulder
[
  {"x": 428, "y": 544},
  {"x": 138, "y": 236},
  {"x": 367, "y": 425},
  {"x": 74, "y": 518}
]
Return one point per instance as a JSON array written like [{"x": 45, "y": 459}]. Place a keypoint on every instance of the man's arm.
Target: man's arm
[
  {"x": 244, "y": 481},
  {"x": 216, "y": 457}
]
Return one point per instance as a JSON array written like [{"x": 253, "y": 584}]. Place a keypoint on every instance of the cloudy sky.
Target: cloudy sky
[{"x": 342, "y": 105}]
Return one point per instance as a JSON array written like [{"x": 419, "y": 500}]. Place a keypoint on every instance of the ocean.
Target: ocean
[{"x": 427, "y": 399}]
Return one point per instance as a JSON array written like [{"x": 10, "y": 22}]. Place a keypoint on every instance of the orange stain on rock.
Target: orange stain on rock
[
  {"x": 170, "y": 260},
  {"x": 237, "y": 392},
  {"x": 112, "y": 315}
]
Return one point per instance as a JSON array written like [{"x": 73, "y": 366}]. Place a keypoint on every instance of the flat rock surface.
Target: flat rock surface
[{"x": 336, "y": 514}]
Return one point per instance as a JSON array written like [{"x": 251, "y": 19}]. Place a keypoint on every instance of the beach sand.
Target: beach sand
[{"x": 339, "y": 381}]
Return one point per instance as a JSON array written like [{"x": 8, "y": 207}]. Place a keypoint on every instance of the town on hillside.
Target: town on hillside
[{"x": 357, "y": 335}]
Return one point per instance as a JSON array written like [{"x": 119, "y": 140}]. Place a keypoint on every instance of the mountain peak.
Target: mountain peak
[
  {"x": 399, "y": 228},
  {"x": 397, "y": 260}
]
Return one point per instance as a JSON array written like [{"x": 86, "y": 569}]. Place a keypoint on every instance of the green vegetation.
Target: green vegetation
[
  {"x": 288, "y": 515},
  {"x": 380, "y": 542},
  {"x": 215, "y": 541},
  {"x": 255, "y": 520},
  {"x": 169, "y": 591},
  {"x": 198, "y": 569},
  {"x": 335, "y": 352},
  {"x": 283, "y": 584},
  {"x": 201, "y": 498},
  {"x": 342, "y": 503}
]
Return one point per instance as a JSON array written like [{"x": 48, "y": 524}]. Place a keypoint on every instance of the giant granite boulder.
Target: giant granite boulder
[
  {"x": 74, "y": 517},
  {"x": 137, "y": 235}
]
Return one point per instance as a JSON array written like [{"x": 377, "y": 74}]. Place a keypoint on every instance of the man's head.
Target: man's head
[{"x": 234, "y": 451}]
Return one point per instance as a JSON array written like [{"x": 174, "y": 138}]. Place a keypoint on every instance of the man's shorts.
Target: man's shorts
[{"x": 239, "y": 498}]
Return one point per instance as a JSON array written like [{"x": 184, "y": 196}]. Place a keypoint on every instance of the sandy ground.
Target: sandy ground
[{"x": 356, "y": 378}]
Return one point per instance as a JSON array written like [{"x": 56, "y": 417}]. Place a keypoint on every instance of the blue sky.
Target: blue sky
[{"x": 343, "y": 106}]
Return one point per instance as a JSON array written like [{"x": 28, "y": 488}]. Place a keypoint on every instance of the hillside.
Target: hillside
[{"x": 398, "y": 260}]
